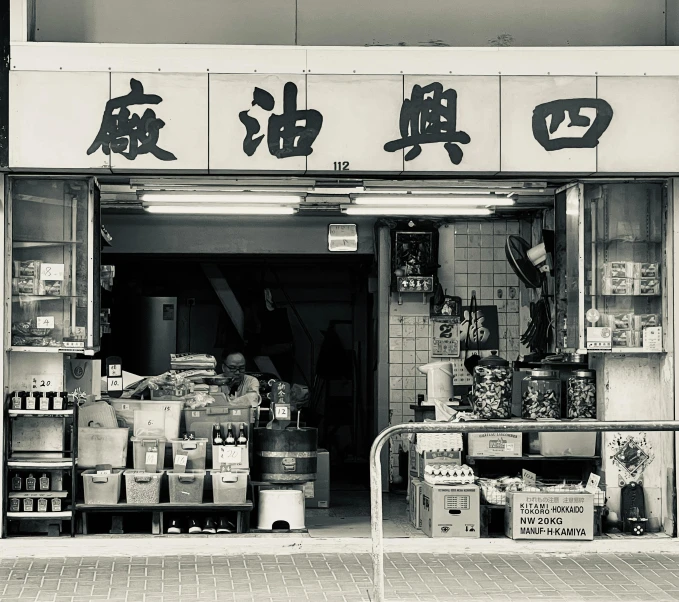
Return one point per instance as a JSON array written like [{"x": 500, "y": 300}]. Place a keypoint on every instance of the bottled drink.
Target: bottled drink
[
  {"x": 16, "y": 482},
  {"x": 217, "y": 434},
  {"x": 230, "y": 439},
  {"x": 30, "y": 482},
  {"x": 58, "y": 401},
  {"x": 31, "y": 401},
  {"x": 44, "y": 482},
  {"x": 242, "y": 438}
]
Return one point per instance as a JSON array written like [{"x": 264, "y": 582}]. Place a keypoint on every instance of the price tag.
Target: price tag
[
  {"x": 195, "y": 414},
  {"x": 529, "y": 477},
  {"x": 283, "y": 412},
  {"x": 115, "y": 384},
  {"x": 180, "y": 461},
  {"x": 126, "y": 406},
  {"x": 51, "y": 271},
  {"x": 44, "y": 322},
  {"x": 152, "y": 458},
  {"x": 593, "y": 483},
  {"x": 46, "y": 382},
  {"x": 229, "y": 454}
]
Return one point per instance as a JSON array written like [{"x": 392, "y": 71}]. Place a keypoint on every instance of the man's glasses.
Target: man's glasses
[{"x": 234, "y": 368}]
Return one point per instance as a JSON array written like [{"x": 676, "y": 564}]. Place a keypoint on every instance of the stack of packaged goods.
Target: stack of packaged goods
[
  {"x": 194, "y": 368},
  {"x": 631, "y": 278},
  {"x": 628, "y": 328}
]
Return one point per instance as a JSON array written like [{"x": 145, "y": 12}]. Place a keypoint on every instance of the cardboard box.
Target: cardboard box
[
  {"x": 495, "y": 445},
  {"x": 424, "y": 459},
  {"x": 413, "y": 459},
  {"x": 413, "y": 503},
  {"x": 450, "y": 510},
  {"x": 564, "y": 516},
  {"x": 321, "y": 497},
  {"x": 567, "y": 443}
]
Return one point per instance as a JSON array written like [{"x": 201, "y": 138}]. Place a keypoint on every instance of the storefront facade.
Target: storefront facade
[{"x": 303, "y": 115}]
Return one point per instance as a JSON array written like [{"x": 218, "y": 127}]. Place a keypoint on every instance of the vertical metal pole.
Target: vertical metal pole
[{"x": 376, "y": 516}]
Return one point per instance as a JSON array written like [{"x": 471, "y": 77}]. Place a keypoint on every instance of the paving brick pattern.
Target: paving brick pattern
[{"x": 341, "y": 578}]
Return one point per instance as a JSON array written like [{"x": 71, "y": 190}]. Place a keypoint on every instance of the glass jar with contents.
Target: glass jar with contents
[
  {"x": 541, "y": 395},
  {"x": 581, "y": 400},
  {"x": 492, "y": 390}
]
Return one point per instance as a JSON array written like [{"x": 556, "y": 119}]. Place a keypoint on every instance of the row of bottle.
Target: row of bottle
[
  {"x": 229, "y": 438},
  {"x": 28, "y": 504},
  {"x": 39, "y": 400},
  {"x": 30, "y": 483}
]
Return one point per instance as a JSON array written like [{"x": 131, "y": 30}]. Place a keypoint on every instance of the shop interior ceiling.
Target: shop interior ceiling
[{"x": 321, "y": 196}]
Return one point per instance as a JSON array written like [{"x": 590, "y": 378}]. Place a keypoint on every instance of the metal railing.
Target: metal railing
[{"x": 472, "y": 427}]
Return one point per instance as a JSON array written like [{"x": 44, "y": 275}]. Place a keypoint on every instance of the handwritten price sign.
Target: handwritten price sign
[
  {"x": 44, "y": 322},
  {"x": 51, "y": 271},
  {"x": 228, "y": 454}
]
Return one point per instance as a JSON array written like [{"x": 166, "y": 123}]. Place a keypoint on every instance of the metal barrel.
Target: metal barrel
[{"x": 286, "y": 456}]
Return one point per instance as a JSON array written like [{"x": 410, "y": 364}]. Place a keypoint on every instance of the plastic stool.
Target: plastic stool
[{"x": 281, "y": 506}]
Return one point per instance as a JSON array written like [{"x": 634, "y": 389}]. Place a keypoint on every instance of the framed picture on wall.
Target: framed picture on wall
[{"x": 414, "y": 254}]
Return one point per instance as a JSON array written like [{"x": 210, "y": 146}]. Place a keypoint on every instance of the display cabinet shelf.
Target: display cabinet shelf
[
  {"x": 32, "y": 298},
  {"x": 34, "y": 244},
  {"x": 40, "y": 412},
  {"x": 64, "y": 515},
  {"x": 65, "y": 464},
  {"x": 39, "y": 494},
  {"x": 535, "y": 457},
  {"x": 55, "y": 349}
]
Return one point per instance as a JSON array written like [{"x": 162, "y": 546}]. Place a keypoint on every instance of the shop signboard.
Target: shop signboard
[
  {"x": 324, "y": 123},
  {"x": 564, "y": 516}
]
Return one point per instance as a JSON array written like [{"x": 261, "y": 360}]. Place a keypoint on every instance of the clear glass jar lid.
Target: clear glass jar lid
[
  {"x": 543, "y": 373},
  {"x": 584, "y": 373}
]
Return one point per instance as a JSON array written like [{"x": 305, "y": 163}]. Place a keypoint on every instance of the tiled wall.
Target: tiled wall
[{"x": 476, "y": 252}]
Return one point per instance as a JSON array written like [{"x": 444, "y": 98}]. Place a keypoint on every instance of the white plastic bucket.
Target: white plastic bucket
[{"x": 439, "y": 381}]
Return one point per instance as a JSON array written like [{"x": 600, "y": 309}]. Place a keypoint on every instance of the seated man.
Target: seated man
[{"x": 240, "y": 388}]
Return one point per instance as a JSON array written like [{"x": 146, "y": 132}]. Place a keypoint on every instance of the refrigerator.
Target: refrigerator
[{"x": 158, "y": 334}]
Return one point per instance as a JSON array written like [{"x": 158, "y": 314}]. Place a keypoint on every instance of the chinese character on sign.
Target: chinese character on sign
[
  {"x": 128, "y": 134},
  {"x": 478, "y": 333},
  {"x": 289, "y": 134},
  {"x": 427, "y": 117},
  {"x": 548, "y": 116}
]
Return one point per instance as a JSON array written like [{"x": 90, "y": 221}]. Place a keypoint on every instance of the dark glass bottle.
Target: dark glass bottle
[
  {"x": 242, "y": 438},
  {"x": 230, "y": 439},
  {"x": 217, "y": 434}
]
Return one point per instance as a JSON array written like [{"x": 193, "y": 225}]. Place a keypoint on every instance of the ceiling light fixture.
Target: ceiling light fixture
[
  {"x": 198, "y": 198},
  {"x": 449, "y": 201},
  {"x": 413, "y": 210},
  {"x": 223, "y": 209}
]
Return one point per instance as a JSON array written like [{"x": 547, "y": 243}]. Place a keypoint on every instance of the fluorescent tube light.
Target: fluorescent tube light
[
  {"x": 450, "y": 201},
  {"x": 413, "y": 210},
  {"x": 198, "y": 198},
  {"x": 213, "y": 209}
]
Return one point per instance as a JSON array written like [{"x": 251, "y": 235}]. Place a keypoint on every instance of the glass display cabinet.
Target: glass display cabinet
[
  {"x": 615, "y": 268},
  {"x": 52, "y": 270}
]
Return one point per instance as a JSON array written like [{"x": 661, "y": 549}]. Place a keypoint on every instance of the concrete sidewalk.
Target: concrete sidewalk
[{"x": 338, "y": 577}]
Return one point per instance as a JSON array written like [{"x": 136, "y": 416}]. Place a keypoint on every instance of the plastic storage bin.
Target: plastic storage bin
[
  {"x": 229, "y": 487},
  {"x": 102, "y": 446},
  {"x": 142, "y": 487},
  {"x": 196, "y": 449},
  {"x": 171, "y": 410},
  {"x": 145, "y": 450},
  {"x": 567, "y": 444},
  {"x": 186, "y": 487},
  {"x": 103, "y": 489}
]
